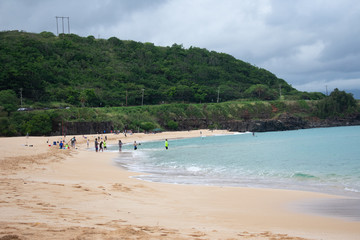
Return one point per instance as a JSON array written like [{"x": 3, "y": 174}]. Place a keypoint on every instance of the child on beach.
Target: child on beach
[{"x": 135, "y": 145}]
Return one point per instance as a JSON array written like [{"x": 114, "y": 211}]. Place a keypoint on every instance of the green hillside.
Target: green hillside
[{"x": 48, "y": 70}]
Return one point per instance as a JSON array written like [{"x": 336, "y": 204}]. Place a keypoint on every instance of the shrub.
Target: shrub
[
  {"x": 8, "y": 100},
  {"x": 339, "y": 103},
  {"x": 172, "y": 125},
  {"x": 147, "y": 126},
  {"x": 40, "y": 124}
]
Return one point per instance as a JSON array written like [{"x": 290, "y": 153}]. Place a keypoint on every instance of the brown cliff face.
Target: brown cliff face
[
  {"x": 283, "y": 122},
  {"x": 79, "y": 128}
]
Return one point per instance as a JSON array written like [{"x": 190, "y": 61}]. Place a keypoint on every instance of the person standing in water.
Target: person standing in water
[
  {"x": 135, "y": 145},
  {"x": 166, "y": 144},
  {"x": 120, "y": 145}
]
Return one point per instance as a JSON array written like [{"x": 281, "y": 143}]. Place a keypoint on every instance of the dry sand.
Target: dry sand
[{"x": 48, "y": 193}]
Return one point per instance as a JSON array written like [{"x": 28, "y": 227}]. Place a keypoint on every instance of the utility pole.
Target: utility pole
[
  {"x": 326, "y": 91},
  {"x": 126, "y": 98},
  {"x": 21, "y": 97},
  {"x": 57, "y": 26},
  {"x": 68, "y": 18},
  {"x": 62, "y": 19},
  {"x": 280, "y": 90},
  {"x": 218, "y": 95},
  {"x": 142, "y": 99}
]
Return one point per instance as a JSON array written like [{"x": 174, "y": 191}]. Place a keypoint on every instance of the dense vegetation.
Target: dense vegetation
[
  {"x": 148, "y": 117},
  {"x": 338, "y": 104},
  {"x": 97, "y": 78},
  {"x": 168, "y": 116},
  {"x": 47, "y": 71}
]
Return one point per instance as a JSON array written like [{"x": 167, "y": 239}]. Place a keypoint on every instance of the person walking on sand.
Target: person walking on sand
[
  {"x": 105, "y": 145},
  {"x": 73, "y": 142},
  {"x": 135, "y": 145},
  {"x": 120, "y": 145},
  {"x": 166, "y": 144},
  {"x": 96, "y": 145},
  {"x": 101, "y": 146}
]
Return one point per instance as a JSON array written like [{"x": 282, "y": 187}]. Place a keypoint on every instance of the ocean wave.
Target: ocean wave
[
  {"x": 241, "y": 133},
  {"x": 352, "y": 190},
  {"x": 193, "y": 169},
  {"x": 304, "y": 176}
]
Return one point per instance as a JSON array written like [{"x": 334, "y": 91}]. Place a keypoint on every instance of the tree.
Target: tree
[
  {"x": 172, "y": 125},
  {"x": 260, "y": 91},
  {"x": 39, "y": 124},
  {"x": 339, "y": 103},
  {"x": 8, "y": 100},
  {"x": 88, "y": 97},
  {"x": 54, "y": 69},
  {"x": 344, "y": 101},
  {"x": 147, "y": 126}
]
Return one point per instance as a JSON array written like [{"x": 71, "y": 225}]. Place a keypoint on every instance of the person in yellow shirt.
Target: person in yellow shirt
[{"x": 166, "y": 144}]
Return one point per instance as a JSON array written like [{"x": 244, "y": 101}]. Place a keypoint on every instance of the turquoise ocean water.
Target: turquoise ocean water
[{"x": 322, "y": 160}]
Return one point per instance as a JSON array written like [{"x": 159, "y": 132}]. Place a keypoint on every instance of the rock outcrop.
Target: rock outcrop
[{"x": 283, "y": 122}]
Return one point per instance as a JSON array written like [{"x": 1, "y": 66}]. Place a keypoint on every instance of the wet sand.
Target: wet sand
[
  {"x": 48, "y": 193},
  {"x": 345, "y": 208}
]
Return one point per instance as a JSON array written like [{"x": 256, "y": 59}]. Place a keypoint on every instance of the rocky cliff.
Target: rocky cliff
[{"x": 283, "y": 122}]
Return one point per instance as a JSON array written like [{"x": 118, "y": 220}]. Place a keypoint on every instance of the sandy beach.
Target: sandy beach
[{"x": 49, "y": 193}]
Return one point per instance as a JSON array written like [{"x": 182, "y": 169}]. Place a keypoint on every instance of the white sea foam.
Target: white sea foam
[
  {"x": 193, "y": 169},
  {"x": 241, "y": 133},
  {"x": 352, "y": 190}
]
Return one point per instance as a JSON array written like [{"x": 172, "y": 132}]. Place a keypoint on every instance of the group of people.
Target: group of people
[
  {"x": 65, "y": 145},
  {"x": 136, "y": 144},
  {"x": 100, "y": 146},
  {"x": 120, "y": 144}
]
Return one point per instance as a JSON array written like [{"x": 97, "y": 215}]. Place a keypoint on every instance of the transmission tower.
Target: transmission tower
[{"x": 62, "y": 24}]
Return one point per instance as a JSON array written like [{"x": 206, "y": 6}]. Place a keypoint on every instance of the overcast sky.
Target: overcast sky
[{"x": 309, "y": 43}]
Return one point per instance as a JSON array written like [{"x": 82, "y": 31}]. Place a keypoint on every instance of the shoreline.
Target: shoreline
[
  {"x": 191, "y": 177},
  {"x": 64, "y": 194}
]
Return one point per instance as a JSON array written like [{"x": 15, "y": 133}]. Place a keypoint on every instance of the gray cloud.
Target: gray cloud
[{"x": 309, "y": 43}]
